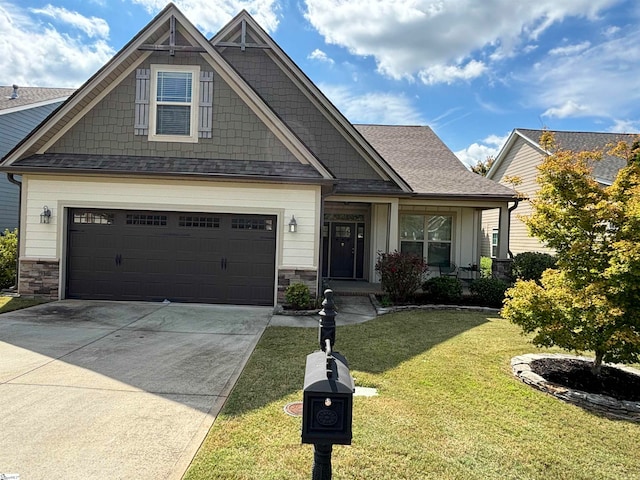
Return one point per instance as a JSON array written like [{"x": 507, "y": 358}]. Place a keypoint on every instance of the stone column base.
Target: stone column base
[
  {"x": 501, "y": 268},
  {"x": 288, "y": 276},
  {"x": 39, "y": 278}
]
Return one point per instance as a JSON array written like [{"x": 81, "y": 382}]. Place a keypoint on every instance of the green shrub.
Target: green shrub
[
  {"x": 443, "y": 289},
  {"x": 8, "y": 257},
  {"x": 298, "y": 296},
  {"x": 530, "y": 265},
  {"x": 488, "y": 291},
  {"x": 400, "y": 274},
  {"x": 485, "y": 267}
]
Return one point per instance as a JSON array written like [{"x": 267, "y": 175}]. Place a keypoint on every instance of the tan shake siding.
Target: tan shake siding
[
  {"x": 108, "y": 129},
  {"x": 297, "y": 111},
  {"x": 295, "y": 250}
]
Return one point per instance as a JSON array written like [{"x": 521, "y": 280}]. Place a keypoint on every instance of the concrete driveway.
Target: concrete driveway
[{"x": 119, "y": 390}]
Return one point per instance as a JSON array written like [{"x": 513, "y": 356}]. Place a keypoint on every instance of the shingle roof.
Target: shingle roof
[
  {"x": 605, "y": 170},
  {"x": 427, "y": 164},
  {"x": 30, "y": 95},
  {"x": 81, "y": 163}
]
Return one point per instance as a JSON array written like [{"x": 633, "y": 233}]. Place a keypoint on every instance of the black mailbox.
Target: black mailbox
[{"x": 327, "y": 402}]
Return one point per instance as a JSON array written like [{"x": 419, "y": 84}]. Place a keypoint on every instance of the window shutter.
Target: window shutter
[
  {"x": 206, "y": 105},
  {"x": 143, "y": 86}
]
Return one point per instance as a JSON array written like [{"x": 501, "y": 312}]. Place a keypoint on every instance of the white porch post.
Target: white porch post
[
  {"x": 503, "y": 233},
  {"x": 393, "y": 225}
]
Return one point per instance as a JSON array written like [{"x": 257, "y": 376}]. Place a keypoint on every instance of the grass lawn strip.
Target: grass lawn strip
[
  {"x": 9, "y": 304},
  {"x": 448, "y": 408}
]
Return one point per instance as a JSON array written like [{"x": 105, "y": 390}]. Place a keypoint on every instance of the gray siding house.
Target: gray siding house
[
  {"x": 215, "y": 171},
  {"x": 520, "y": 156},
  {"x": 21, "y": 110}
]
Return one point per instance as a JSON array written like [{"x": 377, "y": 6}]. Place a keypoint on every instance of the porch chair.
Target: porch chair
[{"x": 449, "y": 270}]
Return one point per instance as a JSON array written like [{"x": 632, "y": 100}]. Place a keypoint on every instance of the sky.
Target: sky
[{"x": 472, "y": 70}]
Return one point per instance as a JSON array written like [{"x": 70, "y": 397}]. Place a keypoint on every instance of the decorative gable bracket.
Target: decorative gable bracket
[{"x": 171, "y": 47}]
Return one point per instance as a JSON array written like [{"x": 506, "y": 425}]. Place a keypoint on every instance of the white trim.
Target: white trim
[
  {"x": 29, "y": 106},
  {"x": 153, "y": 103}
]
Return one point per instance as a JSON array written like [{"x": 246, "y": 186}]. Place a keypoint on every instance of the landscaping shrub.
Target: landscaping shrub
[
  {"x": 8, "y": 256},
  {"x": 443, "y": 289},
  {"x": 298, "y": 296},
  {"x": 485, "y": 267},
  {"x": 401, "y": 274},
  {"x": 530, "y": 265},
  {"x": 488, "y": 291}
]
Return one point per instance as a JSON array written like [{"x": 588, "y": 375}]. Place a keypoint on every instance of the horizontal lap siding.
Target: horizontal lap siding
[{"x": 295, "y": 249}]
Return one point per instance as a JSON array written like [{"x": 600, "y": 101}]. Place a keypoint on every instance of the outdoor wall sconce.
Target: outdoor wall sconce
[
  {"x": 293, "y": 225},
  {"x": 45, "y": 216}
]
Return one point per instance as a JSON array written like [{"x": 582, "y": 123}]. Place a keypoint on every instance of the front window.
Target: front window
[
  {"x": 494, "y": 243},
  {"x": 173, "y": 107},
  {"x": 428, "y": 236}
]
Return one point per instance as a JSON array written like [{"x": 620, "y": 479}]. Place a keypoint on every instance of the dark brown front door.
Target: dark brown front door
[{"x": 181, "y": 257}]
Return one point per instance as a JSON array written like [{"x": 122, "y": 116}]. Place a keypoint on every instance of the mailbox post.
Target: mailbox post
[{"x": 327, "y": 395}]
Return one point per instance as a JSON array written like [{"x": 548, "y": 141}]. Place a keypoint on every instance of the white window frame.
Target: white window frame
[
  {"x": 153, "y": 103},
  {"x": 424, "y": 237},
  {"x": 495, "y": 238}
]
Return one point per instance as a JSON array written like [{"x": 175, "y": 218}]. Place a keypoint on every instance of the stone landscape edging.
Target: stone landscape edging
[
  {"x": 380, "y": 310},
  {"x": 602, "y": 404}
]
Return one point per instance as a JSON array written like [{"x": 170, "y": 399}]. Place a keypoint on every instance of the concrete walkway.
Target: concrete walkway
[
  {"x": 118, "y": 390},
  {"x": 351, "y": 309}
]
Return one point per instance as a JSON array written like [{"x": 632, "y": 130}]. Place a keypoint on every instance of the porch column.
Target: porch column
[
  {"x": 393, "y": 225},
  {"x": 503, "y": 233}
]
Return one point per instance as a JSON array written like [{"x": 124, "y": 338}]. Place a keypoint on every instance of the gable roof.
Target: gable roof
[
  {"x": 131, "y": 56},
  {"x": 429, "y": 166},
  {"x": 243, "y": 26},
  {"x": 604, "y": 171},
  {"x": 30, "y": 97}
]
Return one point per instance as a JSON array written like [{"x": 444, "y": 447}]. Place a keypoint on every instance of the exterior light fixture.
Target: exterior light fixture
[
  {"x": 45, "y": 216},
  {"x": 293, "y": 225}
]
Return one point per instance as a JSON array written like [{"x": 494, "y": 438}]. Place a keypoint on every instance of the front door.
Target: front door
[{"x": 343, "y": 249}]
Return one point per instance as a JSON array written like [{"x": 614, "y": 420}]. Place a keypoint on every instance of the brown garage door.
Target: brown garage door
[{"x": 182, "y": 257}]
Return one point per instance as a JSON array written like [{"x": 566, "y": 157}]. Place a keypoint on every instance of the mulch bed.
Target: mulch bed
[{"x": 576, "y": 374}]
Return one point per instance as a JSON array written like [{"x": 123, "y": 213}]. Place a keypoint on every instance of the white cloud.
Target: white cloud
[
  {"x": 625, "y": 126},
  {"x": 570, "y": 49},
  {"x": 34, "y": 54},
  {"x": 450, "y": 73},
  {"x": 373, "y": 107},
  {"x": 319, "y": 55},
  {"x": 568, "y": 109},
  {"x": 210, "y": 16},
  {"x": 602, "y": 81},
  {"x": 479, "y": 151},
  {"x": 439, "y": 42},
  {"x": 92, "y": 27}
]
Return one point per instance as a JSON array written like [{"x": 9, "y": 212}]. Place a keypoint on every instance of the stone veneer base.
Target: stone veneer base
[
  {"x": 602, "y": 404},
  {"x": 39, "y": 278}
]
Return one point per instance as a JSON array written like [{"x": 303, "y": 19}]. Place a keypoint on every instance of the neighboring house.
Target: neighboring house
[
  {"x": 216, "y": 171},
  {"x": 520, "y": 157},
  {"x": 21, "y": 110}
]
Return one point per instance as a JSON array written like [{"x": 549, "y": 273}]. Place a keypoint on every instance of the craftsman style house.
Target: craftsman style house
[
  {"x": 520, "y": 157},
  {"x": 215, "y": 171}
]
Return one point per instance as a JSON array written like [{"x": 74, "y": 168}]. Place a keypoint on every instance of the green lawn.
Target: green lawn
[
  {"x": 448, "y": 408},
  {"x": 8, "y": 304}
]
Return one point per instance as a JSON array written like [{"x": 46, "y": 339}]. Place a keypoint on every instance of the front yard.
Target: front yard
[{"x": 448, "y": 408}]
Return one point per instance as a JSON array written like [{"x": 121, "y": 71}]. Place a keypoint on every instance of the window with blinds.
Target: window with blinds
[{"x": 174, "y": 92}]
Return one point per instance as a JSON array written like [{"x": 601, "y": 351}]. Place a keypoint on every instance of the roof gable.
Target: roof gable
[
  {"x": 153, "y": 38},
  {"x": 244, "y": 33},
  {"x": 604, "y": 171}
]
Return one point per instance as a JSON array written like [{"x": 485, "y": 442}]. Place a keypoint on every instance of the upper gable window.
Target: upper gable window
[{"x": 174, "y": 108}]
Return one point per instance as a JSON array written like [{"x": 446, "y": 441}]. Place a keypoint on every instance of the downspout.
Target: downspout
[
  {"x": 511, "y": 209},
  {"x": 12, "y": 179}
]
